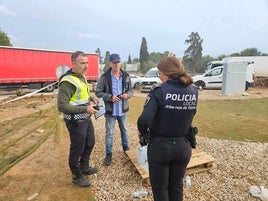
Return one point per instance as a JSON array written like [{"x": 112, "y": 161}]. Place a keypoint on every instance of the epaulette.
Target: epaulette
[
  {"x": 156, "y": 85},
  {"x": 198, "y": 87}
]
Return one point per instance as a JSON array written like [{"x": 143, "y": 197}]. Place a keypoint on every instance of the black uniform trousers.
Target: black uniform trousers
[
  {"x": 168, "y": 159},
  {"x": 82, "y": 139}
]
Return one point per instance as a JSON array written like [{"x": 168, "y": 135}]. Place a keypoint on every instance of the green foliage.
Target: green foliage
[
  {"x": 250, "y": 52},
  {"x": 234, "y": 55},
  {"x": 136, "y": 60},
  {"x": 155, "y": 57},
  {"x": 20, "y": 140},
  {"x": 149, "y": 65},
  {"x": 4, "y": 39},
  {"x": 192, "y": 58},
  {"x": 246, "y": 52},
  {"x": 129, "y": 60},
  {"x": 167, "y": 53},
  {"x": 106, "y": 61},
  {"x": 205, "y": 59},
  {"x": 98, "y": 51},
  {"x": 144, "y": 55},
  {"x": 221, "y": 57}
]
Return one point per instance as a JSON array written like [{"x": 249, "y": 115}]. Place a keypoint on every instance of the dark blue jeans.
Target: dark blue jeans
[
  {"x": 168, "y": 160},
  {"x": 82, "y": 139}
]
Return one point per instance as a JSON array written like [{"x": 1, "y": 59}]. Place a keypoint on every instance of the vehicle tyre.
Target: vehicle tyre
[
  {"x": 200, "y": 84},
  {"x": 50, "y": 88},
  {"x": 136, "y": 85}
]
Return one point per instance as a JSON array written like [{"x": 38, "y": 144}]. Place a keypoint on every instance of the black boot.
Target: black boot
[
  {"x": 86, "y": 169},
  {"x": 79, "y": 179},
  {"x": 108, "y": 159}
]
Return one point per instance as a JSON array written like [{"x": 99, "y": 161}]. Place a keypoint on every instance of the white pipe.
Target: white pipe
[{"x": 26, "y": 95}]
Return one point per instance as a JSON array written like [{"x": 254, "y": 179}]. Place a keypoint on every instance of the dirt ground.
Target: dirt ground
[{"x": 46, "y": 171}]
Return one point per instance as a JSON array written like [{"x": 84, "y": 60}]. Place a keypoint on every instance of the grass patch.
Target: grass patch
[
  {"x": 243, "y": 120},
  {"x": 20, "y": 147}
]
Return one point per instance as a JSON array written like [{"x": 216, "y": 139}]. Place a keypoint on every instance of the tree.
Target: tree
[
  {"x": 106, "y": 61},
  {"x": 235, "y": 54},
  {"x": 219, "y": 58},
  {"x": 98, "y": 51},
  {"x": 250, "y": 52},
  {"x": 136, "y": 60},
  {"x": 129, "y": 60},
  {"x": 4, "y": 39},
  {"x": 205, "y": 60},
  {"x": 192, "y": 58},
  {"x": 144, "y": 56},
  {"x": 155, "y": 57},
  {"x": 170, "y": 54}
]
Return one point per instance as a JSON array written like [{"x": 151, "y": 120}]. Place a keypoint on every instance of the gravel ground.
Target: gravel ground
[{"x": 238, "y": 166}]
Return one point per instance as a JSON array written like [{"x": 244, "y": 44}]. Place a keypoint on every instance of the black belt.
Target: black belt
[{"x": 164, "y": 139}]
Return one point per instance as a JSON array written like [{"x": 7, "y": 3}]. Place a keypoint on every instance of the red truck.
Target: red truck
[{"x": 36, "y": 68}]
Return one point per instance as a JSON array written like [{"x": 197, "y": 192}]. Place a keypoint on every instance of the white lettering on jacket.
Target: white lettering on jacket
[{"x": 179, "y": 97}]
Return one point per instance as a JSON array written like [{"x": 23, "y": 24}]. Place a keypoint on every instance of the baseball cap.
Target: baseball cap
[{"x": 115, "y": 58}]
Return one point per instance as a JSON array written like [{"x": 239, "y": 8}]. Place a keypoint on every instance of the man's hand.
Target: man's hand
[
  {"x": 95, "y": 100},
  {"x": 119, "y": 97},
  {"x": 115, "y": 99},
  {"x": 91, "y": 110},
  {"x": 124, "y": 96}
]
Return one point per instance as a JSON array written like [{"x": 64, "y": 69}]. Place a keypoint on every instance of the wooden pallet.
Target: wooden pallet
[{"x": 199, "y": 162}]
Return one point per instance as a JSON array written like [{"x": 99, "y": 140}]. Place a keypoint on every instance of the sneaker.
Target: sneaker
[
  {"x": 87, "y": 170},
  {"x": 108, "y": 159},
  {"x": 125, "y": 148},
  {"x": 81, "y": 181}
]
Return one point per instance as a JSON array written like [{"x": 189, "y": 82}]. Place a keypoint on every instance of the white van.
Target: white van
[
  {"x": 149, "y": 79},
  {"x": 213, "y": 78},
  {"x": 214, "y": 64}
]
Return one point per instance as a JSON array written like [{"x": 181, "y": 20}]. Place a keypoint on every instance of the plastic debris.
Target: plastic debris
[
  {"x": 33, "y": 196},
  {"x": 260, "y": 192}
]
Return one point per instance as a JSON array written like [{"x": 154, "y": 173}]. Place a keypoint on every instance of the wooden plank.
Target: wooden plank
[
  {"x": 196, "y": 151},
  {"x": 198, "y": 169},
  {"x": 199, "y": 162}
]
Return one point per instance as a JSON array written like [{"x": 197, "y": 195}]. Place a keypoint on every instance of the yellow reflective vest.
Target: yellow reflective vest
[{"x": 81, "y": 95}]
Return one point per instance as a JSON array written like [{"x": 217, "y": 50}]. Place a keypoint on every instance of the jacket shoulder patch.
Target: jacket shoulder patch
[{"x": 155, "y": 86}]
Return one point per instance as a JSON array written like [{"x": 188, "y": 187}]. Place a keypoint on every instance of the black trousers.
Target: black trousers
[
  {"x": 168, "y": 160},
  {"x": 82, "y": 139}
]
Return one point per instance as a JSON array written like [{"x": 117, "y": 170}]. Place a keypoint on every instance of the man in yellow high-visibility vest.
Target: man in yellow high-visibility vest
[{"x": 75, "y": 102}]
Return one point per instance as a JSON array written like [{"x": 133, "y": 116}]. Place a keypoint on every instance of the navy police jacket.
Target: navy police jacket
[{"x": 169, "y": 110}]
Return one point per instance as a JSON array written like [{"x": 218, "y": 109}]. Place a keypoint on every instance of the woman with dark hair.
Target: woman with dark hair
[{"x": 167, "y": 114}]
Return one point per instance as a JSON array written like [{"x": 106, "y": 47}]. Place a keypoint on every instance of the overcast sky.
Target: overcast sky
[{"x": 226, "y": 26}]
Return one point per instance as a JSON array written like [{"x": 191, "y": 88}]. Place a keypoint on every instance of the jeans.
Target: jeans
[{"x": 109, "y": 126}]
